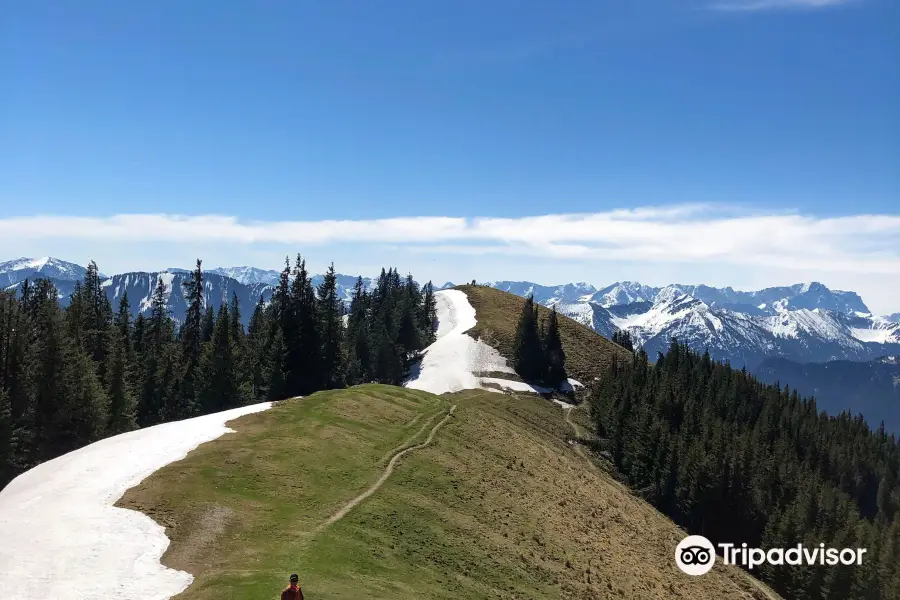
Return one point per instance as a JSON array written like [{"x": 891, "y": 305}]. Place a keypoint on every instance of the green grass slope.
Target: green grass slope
[
  {"x": 497, "y": 312},
  {"x": 498, "y": 505}
]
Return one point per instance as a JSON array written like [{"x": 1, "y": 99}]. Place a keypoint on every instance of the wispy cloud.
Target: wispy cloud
[
  {"x": 698, "y": 234},
  {"x": 759, "y": 5}
]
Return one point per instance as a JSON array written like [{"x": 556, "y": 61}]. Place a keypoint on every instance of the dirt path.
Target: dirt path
[
  {"x": 384, "y": 476},
  {"x": 412, "y": 437},
  {"x": 578, "y": 429}
]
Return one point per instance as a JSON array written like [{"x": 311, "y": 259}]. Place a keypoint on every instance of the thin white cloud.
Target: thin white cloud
[
  {"x": 696, "y": 234},
  {"x": 759, "y": 5}
]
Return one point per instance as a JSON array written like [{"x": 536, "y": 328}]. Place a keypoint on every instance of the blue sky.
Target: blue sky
[{"x": 358, "y": 111}]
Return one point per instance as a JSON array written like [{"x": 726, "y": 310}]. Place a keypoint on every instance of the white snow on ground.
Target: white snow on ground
[
  {"x": 60, "y": 530},
  {"x": 516, "y": 386},
  {"x": 880, "y": 336},
  {"x": 450, "y": 363}
]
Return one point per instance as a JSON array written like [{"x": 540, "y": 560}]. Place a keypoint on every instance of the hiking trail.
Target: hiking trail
[{"x": 384, "y": 476}]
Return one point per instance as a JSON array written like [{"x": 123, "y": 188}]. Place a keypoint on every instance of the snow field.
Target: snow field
[{"x": 60, "y": 529}]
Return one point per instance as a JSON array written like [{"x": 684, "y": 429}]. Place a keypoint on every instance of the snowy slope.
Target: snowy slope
[
  {"x": 448, "y": 365},
  {"x": 453, "y": 362},
  {"x": 60, "y": 529},
  {"x": 248, "y": 275},
  {"x": 17, "y": 271}
]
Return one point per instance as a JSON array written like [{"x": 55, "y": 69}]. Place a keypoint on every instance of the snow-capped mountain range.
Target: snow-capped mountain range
[
  {"x": 805, "y": 322},
  {"x": 248, "y": 283}
]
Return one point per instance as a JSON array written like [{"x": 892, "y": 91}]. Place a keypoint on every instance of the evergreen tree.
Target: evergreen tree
[
  {"x": 209, "y": 321},
  {"x": 623, "y": 338},
  {"x": 273, "y": 372},
  {"x": 255, "y": 356},
  {"x": 528, "y": 354},
  {"x": 429, "y": 314},
  {"x": 122, "y": 404},
  {"x": 409, "y": 335},
  {"x": 220, "y": 386},
  {"x": 359, "y": 361},
  {"x": 555, "y": 356},
  {"x": 154, "y": 399},
  {"x": 192, "y": 339},
  {"x": 332, "y": 327}
]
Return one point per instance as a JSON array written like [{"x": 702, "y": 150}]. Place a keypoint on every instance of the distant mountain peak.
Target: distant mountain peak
[{"x": 16, "y": 271}]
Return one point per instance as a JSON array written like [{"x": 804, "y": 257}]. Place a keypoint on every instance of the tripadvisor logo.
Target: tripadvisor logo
[{"x": 696, "y": 555}]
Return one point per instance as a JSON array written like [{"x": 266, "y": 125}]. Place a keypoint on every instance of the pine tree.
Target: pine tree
[
  {"x": 208, "y": 323},
  {"x": 623, "y": 338},
  {"x": 122, "y": 404},
  {"x": 255, "y": 355},
  {"x": 528, "y": 355},
  {"x": 358, "y": 336},
  {"x": 192, "y": 340},
  {"x": 409, "y": 308},
  {"x": 332, "y": 327},
  {"x": 154, "y": 399},
  {"x": 555, "y": 356},
  {"x": 98, "y": 319},
  {"x": 220, "y": 387},
  {"x": 302, "y": 337},
  {"x": 273, "y": 372},
  {"x": 429, "y": 314}
]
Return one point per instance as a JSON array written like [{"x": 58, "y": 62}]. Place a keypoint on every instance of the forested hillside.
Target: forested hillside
[
  {"x": 736, "y": 460},
  {"x": 871, "y": 388},
  {"x": 71, "y": 376}
]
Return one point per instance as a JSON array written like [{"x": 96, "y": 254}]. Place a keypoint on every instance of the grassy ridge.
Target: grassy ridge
[
  {"x": 498, "y": 506},
  {"x": 587, "y": 352},
  {"x": 239, "y": 510}
]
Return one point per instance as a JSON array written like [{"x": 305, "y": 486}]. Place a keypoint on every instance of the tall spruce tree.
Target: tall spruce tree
[
  {"x": 528, "y": 354},
  {"x": 220, "y": 386},
  {"x": 122, "y": 404},
  {"x": 192, "y": 339},
  {"x": 359, "y": 354},
  {"x": 331, "y": 325},
  {"x": 429, "y": 314},
  {"x": 555, "y": 356},
  {"x": 255, "y": 356}
]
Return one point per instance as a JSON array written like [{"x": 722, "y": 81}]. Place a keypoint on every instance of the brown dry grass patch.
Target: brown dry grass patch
[{"x": 587, "y": 352}]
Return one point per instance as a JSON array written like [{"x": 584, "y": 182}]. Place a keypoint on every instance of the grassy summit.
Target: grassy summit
[
  {"x": 498, "y": 505},
  {"x": 587, "y": 352}
]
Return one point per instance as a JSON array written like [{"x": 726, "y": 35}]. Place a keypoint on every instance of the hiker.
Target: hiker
[{"x": 293, "y": 591}]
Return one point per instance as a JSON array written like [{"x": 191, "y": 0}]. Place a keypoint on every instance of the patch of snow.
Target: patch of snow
[
  {"x": 570, "y": 385},
  {"x": 761, "y": 306},
  {"x": 561, "y": 403},
  {"x": 448, "y": 365},
  {"x": 59, "y": 526},
  {"x": 36, "y": 263},
  {"x": 580, "y": 312},
  {"x": 167, "y": 278},
  {"x": 516, "y": 386},
  {"x": 875, "y": 334}
]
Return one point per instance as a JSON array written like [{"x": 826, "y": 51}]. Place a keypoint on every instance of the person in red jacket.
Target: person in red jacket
[{"x": 293, "y": 591}]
